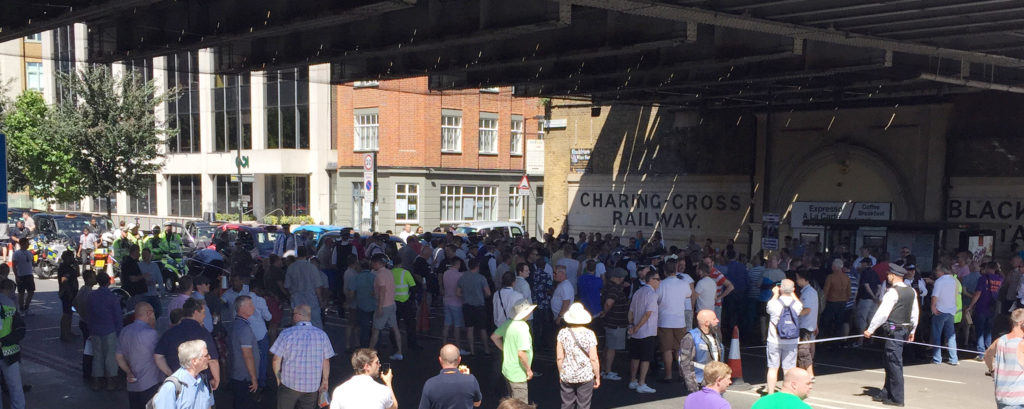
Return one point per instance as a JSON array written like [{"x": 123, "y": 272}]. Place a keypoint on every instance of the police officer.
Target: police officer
[
  {"x": 405, "y": 300},
  {"x": 899, "y": 313},
  {"x": 12, "y": 331}
]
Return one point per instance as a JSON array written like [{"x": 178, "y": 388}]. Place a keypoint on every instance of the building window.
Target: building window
[
  {"x": 488, "y": 133},
  {"x": 227, "y": 195},
  {"x": 407, "y": 201},
  {"x": 490, "y": 90},
  {"x": 145, "y": 202},
  {"x": 468, "y": 203},
  {"x": 186, "y": 196},
  {"x": 141, "y": 67},
  {"x": 515, "y": 204},
  {"x": 365, "y": 84},
  {"x": 99, "y": 204},
  {"x": 34, "y": 76},
  {"x": 287, "y": 194},
  {"x": 183, "y": 109},
  {"x": 75, "y": 206},
  {"x": 64, "y": 60},
  {"x": 287, "y": 105},
  {"x": 367, "y": 126},
  {"x": 232, "y": 113},
  {"x": 34, "y": 38},
  {"x": 451, "y": 131},
  {"x": 516, "y": 139}
]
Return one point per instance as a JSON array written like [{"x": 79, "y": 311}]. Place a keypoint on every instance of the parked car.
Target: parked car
[
  {"x": 318, "y": 231},
  {"x": 251, "y": 238},
  {"x": 199, "y": 234},
  {"x": 481, "y": 228}
]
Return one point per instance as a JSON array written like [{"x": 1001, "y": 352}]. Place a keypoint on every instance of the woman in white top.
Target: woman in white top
[{"x": 576, "y": 358}]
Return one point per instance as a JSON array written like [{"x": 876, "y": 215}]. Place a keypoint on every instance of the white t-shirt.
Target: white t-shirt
[
  {"x": 809, "y": 298},
  {"x": 361, "y": 392},
  {"x": 705, "y": 290},
  {"x": 775, "y": 308},
  {"x": 945, "y": 290},
  {"x": 673, "y": 297},
  {"x": 563, "y": 292}
]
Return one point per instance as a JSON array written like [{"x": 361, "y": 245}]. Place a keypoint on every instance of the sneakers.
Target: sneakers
[
  {"x": 633, "y": 384},
  {"x": 611, "y": 376},
  {"x": 645, "y": 389},
  {"x": 396, "y": 357}
]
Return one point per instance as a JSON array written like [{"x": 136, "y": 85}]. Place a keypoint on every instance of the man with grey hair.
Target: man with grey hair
[
  {"x": 945, "y": 297},
  {"x": 244, "y": 378},
  {"x": 301, "y": 363},
  {"x": 185, "y": 383},
  {"x": 783, "y": 308}
]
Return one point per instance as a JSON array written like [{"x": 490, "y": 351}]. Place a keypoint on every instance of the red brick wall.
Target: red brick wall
[{"x": 410, "y": 124}]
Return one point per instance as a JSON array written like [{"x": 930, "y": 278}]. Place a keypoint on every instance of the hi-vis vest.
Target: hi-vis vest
[
  {"x": 6, "y": 325},
  {"x": 402, "y": 284}
]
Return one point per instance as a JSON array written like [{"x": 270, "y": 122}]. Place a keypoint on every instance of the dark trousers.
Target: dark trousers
[
  {"x": 241, "y": 395},
  {"x": 543, "y": 328},
  {"x": 264, "y": 351},
  {"x": 577, "y": 395},
  {"x": 732, "y": 308},
  {"x": 365, "y": 319},
  {"x": 86, "y": 359},
  {"x": 893, "y": 389},
  {"x": 288, "y": 398},
  {"x": 406, "y": 311},
  {"x": 831, "y": 322},
  {"x": 137, "y": 400}
]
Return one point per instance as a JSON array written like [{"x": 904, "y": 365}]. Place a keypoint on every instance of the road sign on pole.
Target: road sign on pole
[
  {"x": 524, "y": 185},
  {"x": 369, "y": 166}
]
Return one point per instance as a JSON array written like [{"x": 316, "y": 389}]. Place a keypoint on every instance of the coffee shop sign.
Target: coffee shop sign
[{"x": 803, "y": 211}]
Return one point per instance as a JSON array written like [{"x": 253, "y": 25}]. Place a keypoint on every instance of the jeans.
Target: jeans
[
  {"x": 264, "y": 348},
  {"x": 942, "y": 329},
  {"x": 983, "y": 326},
  {"x": 12, "y": 378},
  {"x": 365, "y": 325},
  {"x": 241, "y": 395},
  {"x": 104, "y": 348},
  {"x": 288, "y": 398}
]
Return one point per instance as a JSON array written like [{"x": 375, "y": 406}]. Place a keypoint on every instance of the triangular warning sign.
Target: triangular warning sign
[{"x": 524, "y": 183}]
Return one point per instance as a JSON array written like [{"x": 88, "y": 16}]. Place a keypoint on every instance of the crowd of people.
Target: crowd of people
[{"x": 584, "y": 299}]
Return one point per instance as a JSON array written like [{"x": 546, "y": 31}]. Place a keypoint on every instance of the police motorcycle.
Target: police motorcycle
[
  {"x": 168, "y": 252},
  {"x": 47, "y": 256}
]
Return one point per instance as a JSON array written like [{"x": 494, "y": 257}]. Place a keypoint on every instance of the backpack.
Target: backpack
[
  {"x": 177, "y": 391},
  {"x": 787, "y": 326}
]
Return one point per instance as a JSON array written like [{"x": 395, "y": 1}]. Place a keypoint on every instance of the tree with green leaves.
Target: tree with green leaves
[
  {"x": 112, "y": 131},
  {"x": 38, "y": 153}
]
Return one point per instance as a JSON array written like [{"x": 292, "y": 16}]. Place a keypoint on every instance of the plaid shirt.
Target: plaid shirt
[{"x": 303, "y": 349}]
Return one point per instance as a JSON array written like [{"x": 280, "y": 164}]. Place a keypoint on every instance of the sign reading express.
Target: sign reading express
[{"x": 662, "y": 210}]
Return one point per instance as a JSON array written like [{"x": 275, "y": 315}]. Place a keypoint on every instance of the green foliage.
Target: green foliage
[
  {"x": 233, "y": 217},
  {"x": 39, "y": 151},
  {"x": 292, "y": 220},
  {"x": 112, "y": 130}
]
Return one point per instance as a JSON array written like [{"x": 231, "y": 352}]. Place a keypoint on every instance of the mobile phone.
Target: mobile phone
[{"x": 385, "y": 368}]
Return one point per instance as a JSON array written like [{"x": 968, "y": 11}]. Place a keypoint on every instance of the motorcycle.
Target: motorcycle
[{"x": 48, "y": 258}]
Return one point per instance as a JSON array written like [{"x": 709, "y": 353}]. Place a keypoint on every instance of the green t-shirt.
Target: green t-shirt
[
  {"x": 516, "y": 337},
  {"x": 780, "y": 400}
]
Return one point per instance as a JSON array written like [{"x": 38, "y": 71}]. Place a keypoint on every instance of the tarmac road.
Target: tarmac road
[{"x": 53, "y": 369}]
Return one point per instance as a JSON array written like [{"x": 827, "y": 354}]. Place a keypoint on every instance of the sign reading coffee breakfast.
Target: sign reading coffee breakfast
[{"x": 677, "y": 207}]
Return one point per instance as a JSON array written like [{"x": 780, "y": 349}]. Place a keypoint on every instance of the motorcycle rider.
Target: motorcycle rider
[
  {"x": 122, "y": 245},
  {"x": 134, "y": 236},
  {"x": 169, "y": 243}
]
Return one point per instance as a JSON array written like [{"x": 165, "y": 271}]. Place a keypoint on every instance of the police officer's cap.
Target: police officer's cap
[{"x": 897, "y": 270}]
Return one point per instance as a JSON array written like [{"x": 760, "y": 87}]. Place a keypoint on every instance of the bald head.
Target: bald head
[
  {"x": 449, "y": 356},
  {"x": 144, "y": 312},
  {"x": 706, "y": 319},
  {"x": 302, "y": 313},
  {"x": 798, "y": 382}
]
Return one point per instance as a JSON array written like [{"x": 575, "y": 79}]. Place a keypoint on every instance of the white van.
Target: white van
[{"x": 511, "y": 229}]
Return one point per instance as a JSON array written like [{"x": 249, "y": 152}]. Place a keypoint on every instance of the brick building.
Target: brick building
[{"x": 443, "y": 158}]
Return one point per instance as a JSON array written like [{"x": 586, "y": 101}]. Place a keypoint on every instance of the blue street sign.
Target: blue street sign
[{"x": 369, "y": 187}]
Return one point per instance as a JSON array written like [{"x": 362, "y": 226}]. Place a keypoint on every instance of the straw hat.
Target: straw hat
[
  {"x": 576, "y": 315},
  {"x": 522, "y": 310}
]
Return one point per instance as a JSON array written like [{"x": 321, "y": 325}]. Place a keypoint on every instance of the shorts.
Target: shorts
[
  {"x": 642, "y": 348},
  {"x": 25, "y": 283},
  {"x": 615, "y": 338},
  {"x": 805, "y": 352},
  {"x": 386, "y": 318},
  {"x": 787, "y": 353},
  {"x": 668, "y": 338},
  {"x": 453, "y": 316},
  {"x": 474, "y": 316}
]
